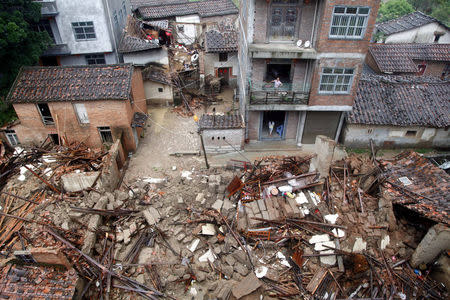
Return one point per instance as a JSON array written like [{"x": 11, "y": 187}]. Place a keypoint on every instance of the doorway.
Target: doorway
[
  {"x": 224, "y": 75},
  {"x": 320, "y": 123},
  {"x": 282, "y": 71},
  {"x": 54, "y": 138},
  {"x": 279, "y": 125}
]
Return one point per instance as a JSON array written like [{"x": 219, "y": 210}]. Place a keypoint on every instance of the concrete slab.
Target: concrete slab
[{"x": 77, "y": 182}]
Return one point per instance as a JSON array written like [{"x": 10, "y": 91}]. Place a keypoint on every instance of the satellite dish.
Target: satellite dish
[
  {"x": 307, "y": 44},
  {"x": 194, "y": 57},
  {"x": 299, "y": 43}
]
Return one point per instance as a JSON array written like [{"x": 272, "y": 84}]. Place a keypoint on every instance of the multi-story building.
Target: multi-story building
[
  {"x": 83, "y": 32},
  {"x": 300, "y": 61}
]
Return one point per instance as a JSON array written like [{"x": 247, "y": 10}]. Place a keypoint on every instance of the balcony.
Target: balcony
[
  {"x": 57, "y": 50},
  {"x": 48, "y": 8},
  {"x": 281, "y": 51},
  {"x": 288, "y": 95}
]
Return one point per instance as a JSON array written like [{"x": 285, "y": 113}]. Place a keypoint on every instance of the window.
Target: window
[
  {"x": 12, "y": 137},
  {"x": 95, "y": 59},
  {"x": 421, "y": 69},
  {"x": 81, "y": 112},
  {"x": 83, "y": 30},
  {"x": 44, "y": 25},
  {"x": 223, "y": 56},
  {"x": 411, "y": 133},
  {"x": 105, "y": 134},
  {"x": 160, "y": 90},
  {"x": 336, "y": 80},
  {"x": 349, "y": 22},
  {"x": 46, "y": 115},
  {"x": 283, "y": 20},
  {"x": 437, "y": 36},
  {"x": 116, "y": 20},
  {"x": 54, "y": 137}
]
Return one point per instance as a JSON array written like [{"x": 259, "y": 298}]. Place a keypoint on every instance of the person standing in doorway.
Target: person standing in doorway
[
  {"x": 277, "y": 83},
  {"x": 271, "y": 125}
]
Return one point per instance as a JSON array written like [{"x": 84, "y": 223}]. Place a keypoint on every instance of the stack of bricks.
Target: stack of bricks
[{"x": 272, "y": 208}]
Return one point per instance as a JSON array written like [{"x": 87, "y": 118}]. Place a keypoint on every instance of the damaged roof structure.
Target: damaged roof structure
[
  {"x": 222, "y": 39},
  {"x": 427, "y": 186},
  {"x": 156, "y": 9}
]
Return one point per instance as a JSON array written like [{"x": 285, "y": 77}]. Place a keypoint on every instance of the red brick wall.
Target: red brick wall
[
  {"x": 371, "y": 62},
  {"x": 334, "y": 99},
  {"x": 325, "y": 44}
]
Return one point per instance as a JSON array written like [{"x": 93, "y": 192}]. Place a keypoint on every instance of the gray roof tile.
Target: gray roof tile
[
  {"x": 72, "y": 83},
  {"x": 225, "y": 39},
  {"x": 407, "y": 22},
  {"x": 399, "y": 57},
  {"x": 153, "y": 9},
  {"x": 209, "y": 121},
  {"x": 401, "y": 101}
]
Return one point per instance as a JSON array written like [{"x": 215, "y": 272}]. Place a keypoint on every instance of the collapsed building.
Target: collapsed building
[{"x": 326, "y": 226}]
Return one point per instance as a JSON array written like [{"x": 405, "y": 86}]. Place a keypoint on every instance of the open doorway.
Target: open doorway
[
  {"x": 283, "y": 71},
  {"x": 278, "y": 120}
]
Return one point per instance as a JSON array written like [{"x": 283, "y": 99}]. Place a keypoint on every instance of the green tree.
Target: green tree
[
  {"x": 439, "y": 9},
  {"x": 393, "y": 9},
  {"x": 19, "y": 44}
]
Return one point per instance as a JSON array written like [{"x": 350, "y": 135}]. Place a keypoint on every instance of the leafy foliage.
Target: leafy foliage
[
  {"x": 393, "y": 9},
  {"x": 19, "y": 44}
]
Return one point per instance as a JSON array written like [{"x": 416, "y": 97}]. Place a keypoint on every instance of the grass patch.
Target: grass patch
[
  {"x": 423, "y": 150},
  {"x": 357, "y": 150}
]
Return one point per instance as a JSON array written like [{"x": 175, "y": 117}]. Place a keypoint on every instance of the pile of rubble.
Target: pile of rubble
[{"x": 277, "y": 228}]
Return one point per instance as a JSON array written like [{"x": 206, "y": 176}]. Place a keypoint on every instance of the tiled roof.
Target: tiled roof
[
  {"x": 407, "y": 22},
  {"x": 425, "y": 179},
  {"x": 225, "y": 40},
  {"x": 129, "y": 44},
  {"x": 209, "y": 121},
  {"x": 72, "y": 83},
  {"x": 156, "y": 74},
  {"x": 204, "y": 8},
  {"x": 401, "y": 101},
  {"x": 399, "y": 57}
]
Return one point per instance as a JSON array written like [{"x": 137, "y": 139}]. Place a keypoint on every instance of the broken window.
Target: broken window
[
  {"x": 46, "y": 115},
  {"x": 223, "y": 56},
  {"x": 283, "y": 20},
  {"x": 83, "y": 31},
  {"x": 105, "y": 134},
  {"x": 44, "y": 25},
  {"x": 349, "y": 22},
  {"x": 411, "y": 133},
  {"x": 80, "y": 110},
  {"x": 336, "y": 80},
  {"x": 12, "y": 137},
  {"x": 95, "y": 59}
]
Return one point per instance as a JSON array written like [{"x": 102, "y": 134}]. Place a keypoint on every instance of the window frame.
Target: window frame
[
  {"x": 83, "y": 27},
  {"x": 104, "y": 129},
  {"x": 281, "y": 5},
  {"x": 335, "y": 81},
  {"x": 12, "y": 138},
  {"x": 43, "y": 118},
  {"x": 81, "y": 120},
  {"x": 346, "y": 36},
  {"x": 223, "y": 56},
  {"x": 95, "y": 57}
]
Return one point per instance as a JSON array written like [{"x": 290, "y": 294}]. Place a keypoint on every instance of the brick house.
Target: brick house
[
  {"x": 316, "y": 48},
  {"x": 410, "y": 59},
  {"x": 90, "y": 104}
]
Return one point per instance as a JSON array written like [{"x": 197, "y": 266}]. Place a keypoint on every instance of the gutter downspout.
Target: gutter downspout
[{"x": 112, "y": 31}]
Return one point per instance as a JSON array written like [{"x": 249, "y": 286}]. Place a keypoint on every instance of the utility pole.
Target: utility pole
[{"x": 203, "y": 147}]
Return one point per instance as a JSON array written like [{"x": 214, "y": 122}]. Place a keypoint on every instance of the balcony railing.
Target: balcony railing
[
  {"x": 288, "y": 93},
  {"x": 48, "y": 7}
]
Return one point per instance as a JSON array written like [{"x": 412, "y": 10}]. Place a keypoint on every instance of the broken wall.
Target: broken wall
[{"x": 223, "y": 140}]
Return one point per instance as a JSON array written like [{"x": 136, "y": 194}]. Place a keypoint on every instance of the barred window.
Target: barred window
[
  {"x": 95, "y": 59},
  {"x": 349, "y": 22},
  {"x": 12, "y": 137},
  {"x": 105, "y": 134},
  {"x": 83, "y": 30},
  {"x": 336, "y": 80}
]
